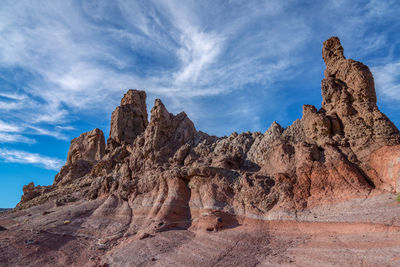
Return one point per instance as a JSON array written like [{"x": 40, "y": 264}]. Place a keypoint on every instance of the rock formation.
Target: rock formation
[
  {"x": 245, "y": 199},
  {"x": 162, "y": 174},
  {"x": 83, "y": 152},
  {"x": 128, "y": 120}
]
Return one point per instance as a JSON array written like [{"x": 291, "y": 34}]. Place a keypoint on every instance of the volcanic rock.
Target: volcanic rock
[
  {"x": 349, "y": 101},
  {"x": 88, "y": 146},
  {"x": 164, "y": 174},
  {"x": 325, "y": 156},
  {"x": 83, "y": 152},
  {"x": 128, "y": 120},
  {"x": 166, "y": 133},
  {"x": 31, "y": 192}
]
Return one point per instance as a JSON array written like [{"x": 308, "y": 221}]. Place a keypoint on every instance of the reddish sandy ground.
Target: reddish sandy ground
[{"x": 364, "y": 232}]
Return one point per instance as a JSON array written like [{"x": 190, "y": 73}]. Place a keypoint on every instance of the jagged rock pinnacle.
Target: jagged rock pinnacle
[
  {"x": 332, "y": 50},
  {"x": 349, "y": 101},
  {"x": 166, "y": 132},
  {"x": 88, "y": 146},
  {"x": 128, "y": 120}
]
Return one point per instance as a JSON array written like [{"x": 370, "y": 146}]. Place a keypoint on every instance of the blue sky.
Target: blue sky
[{"x": 230, "y": 65}]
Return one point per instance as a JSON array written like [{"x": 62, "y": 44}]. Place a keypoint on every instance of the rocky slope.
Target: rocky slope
[{"x": 163, "y": 174}]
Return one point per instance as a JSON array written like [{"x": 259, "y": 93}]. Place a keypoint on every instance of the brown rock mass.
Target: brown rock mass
[
  {"x": 84, "y": 151},
  {"x": 88, "y": 146},
  {"x": 128, "y": 120},
  {"x": 164, "y": 174}
]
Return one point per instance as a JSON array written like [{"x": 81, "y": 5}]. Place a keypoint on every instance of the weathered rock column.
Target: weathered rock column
[{"x": 128, "y": 120}]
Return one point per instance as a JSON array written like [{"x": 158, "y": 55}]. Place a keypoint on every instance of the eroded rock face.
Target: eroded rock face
[
  {"x": 31, "y": 192},
  {"x": 84, "y": 151},
  {"x": 88, "y": 146},
  {"x": 164, "y": 174},
  {"x": 166, "y": 133},
  {"x": 349, "y": 96},
  {"x": 357, "y": 127},
  {"x": 385, "y": 168},
  {"x": 128, "y": 120}
]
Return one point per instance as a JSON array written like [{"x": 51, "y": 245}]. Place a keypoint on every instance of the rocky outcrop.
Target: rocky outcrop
[
  {"x": 349, "y": 98},
  {"x": 30, "y": 191},
  {"x": 166, "y": 133},
  {"x": 88, "y": 146},
  {"x": 164, "y": 174},
  {"x": 83, "y": 153},
  {"x": 385, "y": 168},
  {"x": 349, "y": 118},
  {"x": 128, "y": 120}
]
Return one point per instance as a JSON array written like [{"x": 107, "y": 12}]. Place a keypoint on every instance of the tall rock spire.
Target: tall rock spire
[
  {"x": 332, "y": 50},
  {"x": 352, "y": 76},
  {"x": 128, "y": 120},
  {"x": 349, "y": 96}
]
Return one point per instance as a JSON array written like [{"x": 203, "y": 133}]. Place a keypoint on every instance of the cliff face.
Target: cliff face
[{"x": 164, "y": 173}]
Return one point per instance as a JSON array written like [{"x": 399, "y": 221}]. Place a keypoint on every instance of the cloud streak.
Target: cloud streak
[
  {"x": 387, "y": 79},
  {"x": 16, "y": 156},
  {"x": 6, "y": 127},
  {"x": 15, "y": 138},
  {"x": 72, "y": 64},
  {"x": 9, "y": 134}
]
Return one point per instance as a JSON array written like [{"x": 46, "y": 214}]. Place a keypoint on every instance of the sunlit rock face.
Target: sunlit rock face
[{"x": 128, "y": 120}]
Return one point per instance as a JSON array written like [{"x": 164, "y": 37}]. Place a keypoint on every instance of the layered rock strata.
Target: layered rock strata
[{"x": 162, "y": 174}]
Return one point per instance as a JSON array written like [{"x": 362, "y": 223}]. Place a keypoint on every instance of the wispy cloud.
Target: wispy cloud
[
  {"x": 53, "y": 133},
  {"x": 387, "y": 80},
  {"x": 23, "y": 157},
  {"x": 6, "y": 127},
  {"x": 9, "y": 133},
  {"x": 15, "y": 138},
  {"x": 79, "y": 57},
  {"x": 13, "y": 96},
  {"x": 66, "y": 128},
  {"x": 73, "y": 64}
]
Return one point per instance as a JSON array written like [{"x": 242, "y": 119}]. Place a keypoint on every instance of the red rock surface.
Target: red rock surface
[{"x": 163, "y": 193}]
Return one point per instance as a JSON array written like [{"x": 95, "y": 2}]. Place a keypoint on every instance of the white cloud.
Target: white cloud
[
  {"x": 6, "y": 127},
  {"x": 198, "y": 50},
  {"x": 64, "y": 54},
  {"x": 41, "y": 131},
  {"x": 66, "y": 128},
  {"x": 9, "y": 133},
  {"x": 23, "y": 157},
  {"x": 13, "y": 96},
  {"x": 387, "y": 80},
  {"x": 81, "y": 57},
  {"x": 15, "y": 138},
  {"x": 8, "y": 106},
  {"x": 13, "y": 101},
  {"x": 12, "y": 133}
]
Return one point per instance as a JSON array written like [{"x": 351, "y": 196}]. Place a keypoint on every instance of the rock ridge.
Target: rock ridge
[{"x": 163, "y": 173}]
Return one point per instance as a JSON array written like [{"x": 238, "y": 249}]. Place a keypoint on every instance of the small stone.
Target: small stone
[
  {"x": 144, "y": 235},
  {"x": 29, "y": 241}
]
